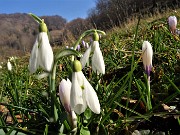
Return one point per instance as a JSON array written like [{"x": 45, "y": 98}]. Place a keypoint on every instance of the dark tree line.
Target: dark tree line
[{"x": 110, "y": 13}]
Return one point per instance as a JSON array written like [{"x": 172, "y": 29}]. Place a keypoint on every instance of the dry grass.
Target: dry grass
[{"x": 132, "y": 22}]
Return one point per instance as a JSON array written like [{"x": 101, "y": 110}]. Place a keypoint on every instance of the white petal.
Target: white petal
[
  {"x": 69, "y": 82},
  {"x": 33, "y": 61},
  {"x": 80, "y": 78},
  {"x": 91, "y": 97},
  {"x": 46, "y": 56},
  {"x": 42, "y": 75},
  {"x": 147, "y": 54},
  {"x": 85, "y": 57},
  {"x": 64, "y": 93},
  {"x": 97, "y": 59},
  {"x": 76, "y": 99}
]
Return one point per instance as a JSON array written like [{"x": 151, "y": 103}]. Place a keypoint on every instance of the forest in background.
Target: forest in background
[{"x": 18, "y": 31}]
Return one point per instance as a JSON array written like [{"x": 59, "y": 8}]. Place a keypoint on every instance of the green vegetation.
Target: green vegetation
[{"x": 26, "y": 103}]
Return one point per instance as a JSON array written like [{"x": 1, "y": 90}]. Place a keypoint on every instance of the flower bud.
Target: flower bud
[
  {"x": 95, "y": 36},
  {"x": 43, "y": 27},
  {"x": 77, "y": 66}
]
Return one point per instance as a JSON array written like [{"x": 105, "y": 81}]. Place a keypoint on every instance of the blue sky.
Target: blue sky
[{"x": 68, "y": 9}]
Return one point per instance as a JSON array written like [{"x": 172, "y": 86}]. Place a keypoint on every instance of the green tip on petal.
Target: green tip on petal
[
  {"x": 43, "y": 27},
  {"x": 95, "y": 36},
  {"x": 77, "y": 66}
]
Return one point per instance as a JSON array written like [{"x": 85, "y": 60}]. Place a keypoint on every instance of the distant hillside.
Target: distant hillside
[{"x": 18, "y": 32}]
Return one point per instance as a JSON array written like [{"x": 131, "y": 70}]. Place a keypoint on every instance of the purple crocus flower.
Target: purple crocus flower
[
  {"x": 84, "y": 43},
  {"x": 147, "y": 57},
  {"x": 172, "y": 22},
  {"x": 64, "y": 93},
  {"x": 78, "y": 47}
]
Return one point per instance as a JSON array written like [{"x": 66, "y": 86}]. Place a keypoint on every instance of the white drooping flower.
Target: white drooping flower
[
  {"x": 147, "y": 54},
  {"x": 9, "y": 66},
  {"x": 41, "y": 54},
  {"x": 97, "y": 58},
  {"x": 172, "y": 22},
  {"x": 64, "y": 93},
  {"x": 82, "y": 93}
]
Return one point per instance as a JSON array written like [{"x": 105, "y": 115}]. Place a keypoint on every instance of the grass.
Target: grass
[{"x": 26, "y": 101}]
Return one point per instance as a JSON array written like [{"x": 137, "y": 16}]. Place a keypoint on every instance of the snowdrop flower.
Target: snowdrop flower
[
  {"x": 9, "y": 66},
  {"x": 82, "y": 93},
  {"x": 172, "y": 21},
  {"x": 147, "y": 54},
  {"x": 41, "y": 54},
  {"x": 97, "y": 58},
  {"x": 64, "y": 93}
]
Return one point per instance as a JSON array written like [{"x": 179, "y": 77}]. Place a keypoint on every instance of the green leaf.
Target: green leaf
[
  {"x": 67, "y": 52},
  {"x": 46, "y": 130},
  {"x": 2, "y": 132},
  {"x": 84, "y": 131},
  {"x": 142, "y": 116},
  {"x": 3, "y": 124},
  {"x": 43, "y": 111},
  {"x": 36, "y": 18},
  {"x": 12, "y": 130},
  {"x": 88, "y": 113}
]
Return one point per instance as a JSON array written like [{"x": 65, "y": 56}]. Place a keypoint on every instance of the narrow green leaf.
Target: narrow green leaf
[
  {"x": 43, "y": 111},
  {"x": 36, "y": 18},
  {"x": 176, "y": 88},
  {"x": 12, "y": 129},
  {"x": 67, "y": 52},
  {"x": 2, "y": 124},
  {"x": 131, "y": 110}
]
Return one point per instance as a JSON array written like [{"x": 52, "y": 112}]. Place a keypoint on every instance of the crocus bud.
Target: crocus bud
[
  {"x": 78, "y": 47},
  {"x": 77, "y": 66},
  {"x": 147, "y": 54},
  {"x": 84, "y": 44},
  {"x": 64, "y": 93},
  {"x": 172, "y": 21},
  {"x": 72, "y": 119}
]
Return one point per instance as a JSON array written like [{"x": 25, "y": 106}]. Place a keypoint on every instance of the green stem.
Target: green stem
[
  {"x": 86, "y": 33},
  {"x": 53, "y": 93},
  {"x": 149, "y": 94}
]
